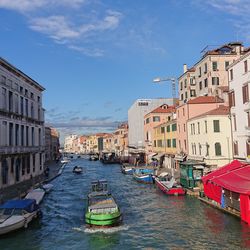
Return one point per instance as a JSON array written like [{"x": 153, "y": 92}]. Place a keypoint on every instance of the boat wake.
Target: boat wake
[{"x": 109, "y": 230}]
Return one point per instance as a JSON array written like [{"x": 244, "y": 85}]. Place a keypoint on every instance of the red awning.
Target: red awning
[
  {"x": 234, "y": 177},
  {"x": 223, "y": 170}
]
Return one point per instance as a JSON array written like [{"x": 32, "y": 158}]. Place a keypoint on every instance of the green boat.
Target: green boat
[{"x": 102, "y": 209}]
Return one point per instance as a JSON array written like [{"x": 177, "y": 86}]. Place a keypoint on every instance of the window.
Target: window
[
  {"x": 31, "y": 95},
  {"x": 26, "y": 107},
  {"x": 214, "y": 66},
  {"x": 27, "y": 136},
  {"x": 10, "y": 134},
  {"x": 200, "y": 85},
  {"x": 159, "y": 143},
  {"x": 169, "y": 143},
  {"x": 17, "y": 169},
  {"x": 183, "y": 111},
  {"x": 22, "y": 135},
  {"x": 198, "y": 128},
  {"x": 32, "y": 110},
  {"x": 11, "y": 101},
  {"x": 147, "y": 120},
  {"x": 181, "y": 85},
  {"x": 162, "y": 130},
  {"x": 174, "y": 127},
  {"x": 235, "y": 146},
  {"x": 16, "y": 103},
  {"x": 226, "y": 64},
  {"x": 245, "y": 67},
  {"x": 28, "y": 164},
  {"x": 181, "y": 97},
  {"x": 4, "y": 98},
  {"x": 174, "y": 143},
  {"x": 17, "y": 135},
  {"x": 38, "y": 99},
  {"x": 217, "y": 149},
  {"x": 21, "y": 105},
  {"x": 34, "y": 162},
  {"x": 231, "y": 97},
  {"x": 248, "y": 118},
  {"x": 206, "y": 127},
  {"x": 205, "y": 66},
  {"x": 23, "y": 165},
  {"x": 216, "y": 126},
  {"x": 185, "y": 144},
  {"x": 156, "y": 118},
  {"x": 231, "y": 75},
  {"x": 26, "y": 92},
  {"x": 234, "y": 122},
  {"x": 3, "y": 79},
  {"x": 194, "y": 149},
  {"x": 185, "y": 83},
  {"x": 199, "y": 71},
  {"x": 205, "y": 83},
  {"x": 5, "y": 170},
  {"x": 207, "y": 149},
  {"x": 168, "y": 128},
  {"x": 245, "y": 94},
  {"x": 186, "y": 95},
  {"x": 154, "y": 143},
  {"x": 248, "y": 148},
  {"x": 199, "y": 149},
  {"x": 184, "y": 127},
  {"x": 142, "y": 103},
  {"x": 192, "y": 93},
  {"x": 215, "y": 80},
  {"x": 4, "y": 134}
]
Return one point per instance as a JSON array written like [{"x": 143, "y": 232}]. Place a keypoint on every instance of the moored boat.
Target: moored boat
[
  {"x": 47, "y": 187},
  {"x": 36, "y": 194},
  {"x": 126, "y": 169},
  {"x": 144, "y": 175},
  {"x": 15, "y": 214},
  {"x": 77, "y": 170},
  {"x": 65, "y": 160},
  {"x": 102, "y": 209},
  {"x": 169, "y": 187}
]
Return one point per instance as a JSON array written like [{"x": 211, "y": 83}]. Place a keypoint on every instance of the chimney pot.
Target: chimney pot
[{"x": 184, "y": 68}]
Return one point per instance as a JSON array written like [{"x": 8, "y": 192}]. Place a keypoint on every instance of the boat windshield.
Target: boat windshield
[
  {"x": 7, "y": 211},
  {"x": 99, "y": 186},
  {"x": 17, "y": 212}
]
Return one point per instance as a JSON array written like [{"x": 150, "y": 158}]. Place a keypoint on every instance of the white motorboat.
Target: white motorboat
[
  {"x": 64, "y": 160},
  {"x": 47, "y": 187},
  {"x": 77, "y": 170},
  {"x": 36, "y": 194},
  {"x": 15, "y": 214}
]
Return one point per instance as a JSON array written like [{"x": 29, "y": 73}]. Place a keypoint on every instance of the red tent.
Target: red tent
[{"x": 234, "y": 177}]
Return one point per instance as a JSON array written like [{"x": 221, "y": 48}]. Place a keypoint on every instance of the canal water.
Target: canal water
[{"x": 151, "y": 219}]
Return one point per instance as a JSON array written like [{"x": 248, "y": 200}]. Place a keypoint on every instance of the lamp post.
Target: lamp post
[{"x": 166, "y": 79}]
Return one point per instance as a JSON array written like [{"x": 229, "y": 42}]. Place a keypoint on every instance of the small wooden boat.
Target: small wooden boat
[
  {"x": 144, "y": 175},
  {"x": 36, "y": 194},
  {"x": 16, "y": 214},
  {"x": 93, "y": 158},
  {"x": 169, "y": 187},
  {"x": 77, "y": 170},
  {"x": 65, "y": 160},
  {"x": 102, "y": 210}
]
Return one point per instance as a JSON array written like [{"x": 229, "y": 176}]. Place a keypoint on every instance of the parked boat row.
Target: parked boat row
[{"x": 17, "y": 214}]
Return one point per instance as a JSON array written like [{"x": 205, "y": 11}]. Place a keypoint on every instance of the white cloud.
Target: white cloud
[{"x": 31, "y": 5}]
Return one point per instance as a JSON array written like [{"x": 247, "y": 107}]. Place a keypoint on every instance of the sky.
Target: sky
[{"x": 96, "y": 57}]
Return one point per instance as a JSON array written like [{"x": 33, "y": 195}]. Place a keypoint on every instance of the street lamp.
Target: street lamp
[{"x": 166, "y": 79}]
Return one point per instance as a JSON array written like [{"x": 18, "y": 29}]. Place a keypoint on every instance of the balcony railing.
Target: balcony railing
[{"x": 20, "y": 149}]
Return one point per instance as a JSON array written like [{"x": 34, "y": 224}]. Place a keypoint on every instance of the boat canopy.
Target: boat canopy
[{"x": 26, "y": 204}]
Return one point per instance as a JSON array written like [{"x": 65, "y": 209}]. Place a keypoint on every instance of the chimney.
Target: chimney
[{"x": 184, "y": 68}]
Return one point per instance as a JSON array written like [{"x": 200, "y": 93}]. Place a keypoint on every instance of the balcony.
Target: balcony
[{"x": 20, "y": 149}]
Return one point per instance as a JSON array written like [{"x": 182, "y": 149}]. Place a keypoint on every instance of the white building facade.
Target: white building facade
[
  {"x": 239, "y": 81},
  {"x": 68, "y": 143},
  {"x": 22, "y": 141},
  {"x": 136, "y": 114}
]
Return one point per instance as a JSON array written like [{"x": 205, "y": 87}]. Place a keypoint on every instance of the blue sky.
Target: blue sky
[{"x": 96, "y": 57}]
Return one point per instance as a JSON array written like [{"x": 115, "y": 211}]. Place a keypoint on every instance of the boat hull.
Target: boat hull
[
  {"x": 111, "y": 219},
  {"x": 170, "y": 191},
  {"x": 147, "y": 179}
]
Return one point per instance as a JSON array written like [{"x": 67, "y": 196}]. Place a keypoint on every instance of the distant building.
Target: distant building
[
  {"x": 239, "y": 101},
  {"x": 136, "y": 114},
  {"x": 68, "y": 143},
  {"x": 52, "y": 144},
  {"x": 21, "y": 127}
]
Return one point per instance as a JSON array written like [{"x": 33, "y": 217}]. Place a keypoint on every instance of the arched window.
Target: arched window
[
  {"x": 5, "y": 170},
  {"x": 217, "y": 149}
]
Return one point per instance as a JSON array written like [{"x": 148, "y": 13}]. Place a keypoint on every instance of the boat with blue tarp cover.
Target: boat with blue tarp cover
[
  {"x": 144, "y": 175},
  {"x": 15, "y": 214}
]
